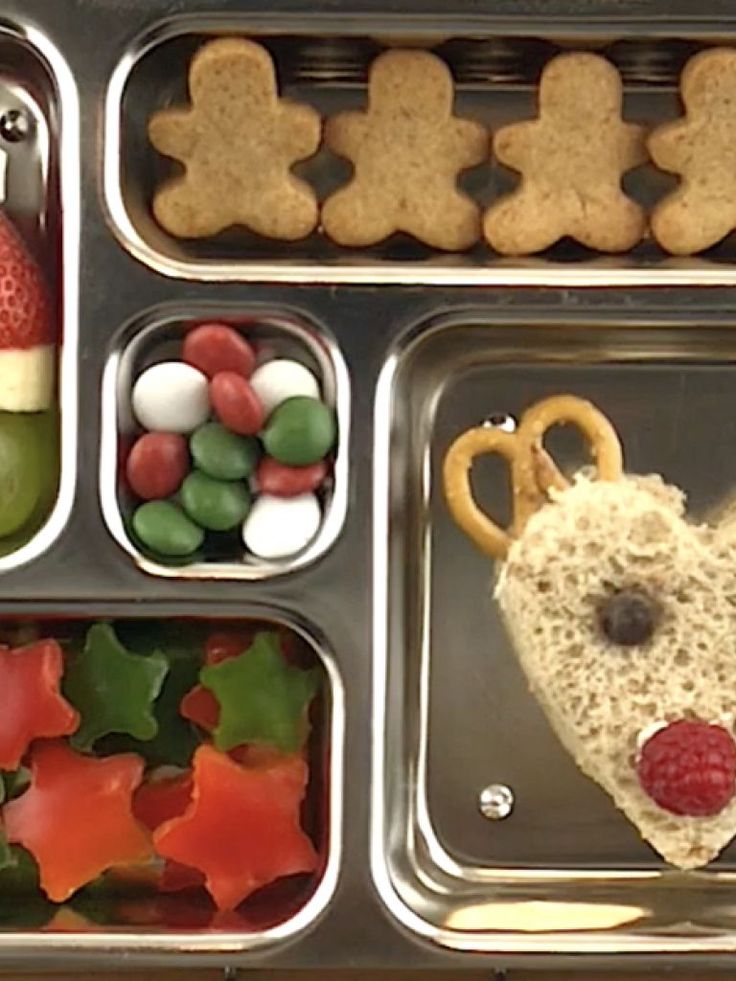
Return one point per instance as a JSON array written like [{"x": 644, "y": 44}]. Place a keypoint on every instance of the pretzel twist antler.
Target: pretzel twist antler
[{"x": 533, "y": 472}]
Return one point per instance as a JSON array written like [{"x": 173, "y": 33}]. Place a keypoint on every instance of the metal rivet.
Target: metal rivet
[
  {"x": 15, "y": 125},
  {"x": 500, "y": 420},
  {"x": 496, "y": 801}
]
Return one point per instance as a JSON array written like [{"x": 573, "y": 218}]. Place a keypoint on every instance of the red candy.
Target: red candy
[
  {"x": 157, "y": 465},
  {"x": 215, "y": 347},
  {"x": 236, "y": 404},
  {"x": 689, "y": 767},
  {"x": 281, "y": 480}
]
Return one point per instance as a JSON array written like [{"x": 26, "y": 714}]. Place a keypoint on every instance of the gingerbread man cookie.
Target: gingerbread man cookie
[
  {"x": 701, "y": 148},
  {"x": 571, "y": 158},
  {"x": 238, "y": 141},
  {"x": 407, "y": 150}
]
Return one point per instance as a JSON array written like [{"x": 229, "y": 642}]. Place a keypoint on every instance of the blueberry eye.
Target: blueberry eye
[{"x": 628, "y": 617}]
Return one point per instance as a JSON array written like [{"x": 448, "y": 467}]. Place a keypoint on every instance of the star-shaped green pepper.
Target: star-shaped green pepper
[
  {"x": 262, "y": 699},
  {"x": 176, "y": 738},
  {"x": 112, "y": 689}
]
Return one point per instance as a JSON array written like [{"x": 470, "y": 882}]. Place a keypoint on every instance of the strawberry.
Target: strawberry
[{"x": 27, "y": 335}]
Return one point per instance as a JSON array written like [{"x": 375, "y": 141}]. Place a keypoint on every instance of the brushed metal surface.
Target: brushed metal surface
[{"x": 364, "y": 599}]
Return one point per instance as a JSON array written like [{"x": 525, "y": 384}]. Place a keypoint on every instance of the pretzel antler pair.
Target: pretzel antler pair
[{"x": 533, "y": 472}]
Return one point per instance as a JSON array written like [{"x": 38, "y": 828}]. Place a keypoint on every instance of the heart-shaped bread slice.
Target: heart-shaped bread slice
[{"x": 591, "y": 541}]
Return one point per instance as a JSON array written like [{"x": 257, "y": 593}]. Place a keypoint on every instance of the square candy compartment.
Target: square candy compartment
[{"x": 158, "y": 337}]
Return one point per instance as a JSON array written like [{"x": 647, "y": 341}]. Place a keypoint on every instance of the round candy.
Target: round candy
[
  {"x": 223, "y": 454},
  {"x": 281, "y": 526},
  {"x": 236, "y": 404},
  {"x": 171, "y": 397},
  {"x": 300, "y": 431},
  {"x": 21, "y": 473},
  {"x": 277, "y": 381},
  {"x": 216, "y": 505},
  {"x": 164, "y": 528},
  {"x": 157, "y": 464},
  {"x": 280, "y": 480},
  {"x": 216, "y": 347}
]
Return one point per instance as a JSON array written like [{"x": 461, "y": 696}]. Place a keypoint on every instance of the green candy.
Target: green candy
[
  {"x": 262, "y": 698},
  {"x": 164, "y": 528},
  {"x": 22, "y": 477},
  {"x": 300, "y": 431},
  {"x": 217, "y": 505},
  {"x": 223, "y": 454},
  {"x": 112, "y": 689}
]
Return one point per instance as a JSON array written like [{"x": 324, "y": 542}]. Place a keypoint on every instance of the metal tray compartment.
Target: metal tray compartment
[
  {"x": 565, "y": 872},
  {"x": 157, "y": 336},
  {"x": 38, "y": 177},
  {"x": 121, "y": 912},
  {"x": 324, "y": 61}
]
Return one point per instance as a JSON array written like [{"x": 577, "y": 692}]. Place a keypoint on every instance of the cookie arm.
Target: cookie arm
[
  {"x": 171, "y": 132},
  {"x": 669, "y": 145},
  {"x": 633, "y": 146},
  {"x": 511, "y": 144},
  {"x": 345, "y": 132},
  {"x": 468, "y": 143},
  {"x": 300, "y": 130}
]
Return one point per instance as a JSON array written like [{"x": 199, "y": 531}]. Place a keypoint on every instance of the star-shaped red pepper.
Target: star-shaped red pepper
[
  {"x": 157, "y": 801},
  {"x": 32, "y": 706},
  {"x": 76, "y": 817},
  {"x": 242, "y": 828}
]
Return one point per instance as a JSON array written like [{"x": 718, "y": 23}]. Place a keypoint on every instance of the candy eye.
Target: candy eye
[{"x": 628, "y": 617}]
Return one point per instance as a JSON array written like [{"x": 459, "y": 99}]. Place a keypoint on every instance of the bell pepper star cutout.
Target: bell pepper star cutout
[
  {"x": 76, "y": 817},
  {"x": 199, "y": 705},
  {"x": 113, "y": 689},
  {"x": 32, "y": 705},
  {"x": 242, "y": 828},
  {"x": 262, "y": 699}
]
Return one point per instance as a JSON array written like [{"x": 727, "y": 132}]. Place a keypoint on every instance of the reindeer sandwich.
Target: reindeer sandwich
[{"x": 623, "y": 616}]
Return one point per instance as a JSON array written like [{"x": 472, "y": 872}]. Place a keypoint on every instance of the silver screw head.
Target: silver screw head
[
  {"x": 496, "y": 801},
  {"x": 500, "y": 420},
  {"x": 15, "y": 125}
]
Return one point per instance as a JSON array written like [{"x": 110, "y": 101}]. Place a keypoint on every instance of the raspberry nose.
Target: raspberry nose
[{"x": 689, "y": 768}]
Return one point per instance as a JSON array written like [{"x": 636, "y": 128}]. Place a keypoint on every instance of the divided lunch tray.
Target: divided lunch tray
[{"x": 425, "y": 705}]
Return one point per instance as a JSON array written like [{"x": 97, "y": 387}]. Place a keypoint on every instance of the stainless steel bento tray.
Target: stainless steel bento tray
[{"x": 427, "y": 705}]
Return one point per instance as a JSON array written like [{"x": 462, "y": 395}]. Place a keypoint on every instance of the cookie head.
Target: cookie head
[
  {"x": 414, "y": 82},
  {"x": 580, "y": 82},
  {"x": 229, "y": 69},
  {"x": 708, "y": 82}
]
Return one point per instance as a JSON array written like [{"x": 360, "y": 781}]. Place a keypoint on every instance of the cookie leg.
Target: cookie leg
[
  {"x": 286, "y": 210},
  {"x": 693, "y": 218},
  {"x": 185, "y": 212},
  {"x": 449, "y": 221},
  {"x": 353, "y": 217},
  {"x": 522, "y": 223},
  {"x": 614, "y": 224}
]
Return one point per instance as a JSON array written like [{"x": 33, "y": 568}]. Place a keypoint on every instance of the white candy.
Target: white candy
[
  {"x": 281, "y": 526},
  {"x": 171, "y": 397},
  {"x": 276, "y": 381}
]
